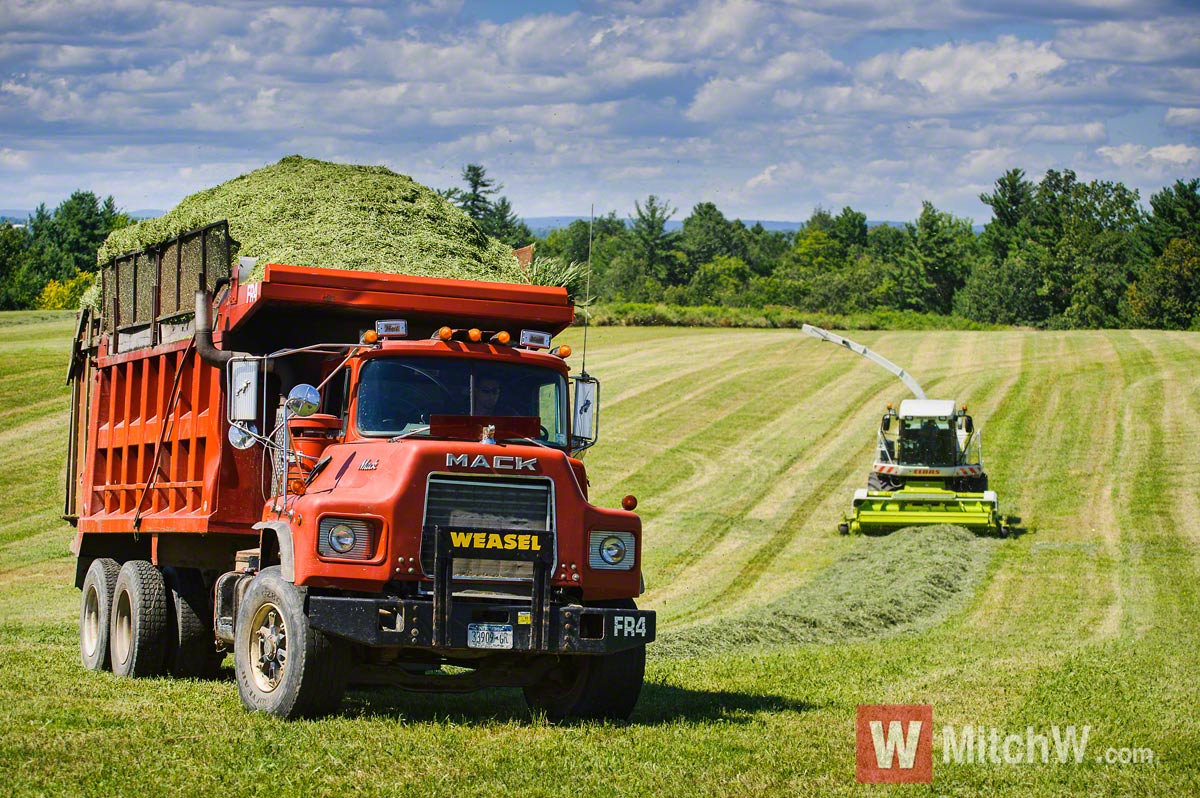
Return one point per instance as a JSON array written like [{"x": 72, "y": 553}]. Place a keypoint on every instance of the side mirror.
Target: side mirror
[
  {"x": 585, "y": 420},
  {"x": 242, "y": 436},
  {"x": 304, "y": 400},
  {"x": 243, "y": 389},
  {"x": 968, "y": 425},
  {"x": 886, "y": 424}
]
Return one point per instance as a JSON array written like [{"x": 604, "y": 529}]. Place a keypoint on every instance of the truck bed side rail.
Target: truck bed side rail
[{"x": 148, "y": 295}]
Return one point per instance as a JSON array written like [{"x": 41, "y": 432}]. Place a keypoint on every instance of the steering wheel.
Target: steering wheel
[
  {"x": 444, "y": 392},
  {"x": 545, "y": 433},
  {"x": 411, "y": 403}
]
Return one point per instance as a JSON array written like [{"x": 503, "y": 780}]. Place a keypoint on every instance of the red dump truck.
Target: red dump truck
[{"x": 344, "y": 478}]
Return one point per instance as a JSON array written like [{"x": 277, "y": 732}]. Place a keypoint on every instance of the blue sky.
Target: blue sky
[{"x": 766, "y": 108}]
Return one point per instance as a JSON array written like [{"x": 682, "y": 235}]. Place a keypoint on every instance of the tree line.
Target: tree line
[
  {"x": 1058, "y": 253},
  {"x": 51, "y": 261}
]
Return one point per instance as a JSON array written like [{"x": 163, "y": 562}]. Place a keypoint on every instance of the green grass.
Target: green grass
[{"x": 743, "y": 447}]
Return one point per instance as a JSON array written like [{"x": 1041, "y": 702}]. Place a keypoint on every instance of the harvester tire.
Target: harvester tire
[
  {"x": 95, "y": 613},
  {"x": 285, "y": 667},
  {"x": 876, "y": 481},
  {"x": 138, "y": 631},
  {"x": 973, "y": 484},
  {"x": 591, "y": 686},
  {"x": 191, "y": 646}
]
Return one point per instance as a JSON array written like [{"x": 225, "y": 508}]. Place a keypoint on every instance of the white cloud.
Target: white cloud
[
  {"x": 1145, "y": 42},
  {"x": 763, "y": 89},
  {"x": 1082, "y": 133},
  {"x": 13, "y": 159},
  {"x": 988, "y": 163},
  {"x": 433, "y": 7},
  {"x": 1007, "y": 66},
  {"x": 1166, "y": 155},
  {"x": 1183, "y": 117}
]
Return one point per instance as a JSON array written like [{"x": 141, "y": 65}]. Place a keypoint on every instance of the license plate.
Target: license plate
[{"x": 489, "y": 635}]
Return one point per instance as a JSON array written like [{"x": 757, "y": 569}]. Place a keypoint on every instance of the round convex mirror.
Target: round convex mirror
[
  {"x": 243, "y": 436},
  {"x": 304, "y": 400}
]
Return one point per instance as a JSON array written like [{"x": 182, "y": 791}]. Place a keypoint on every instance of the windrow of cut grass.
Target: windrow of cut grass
[{"x": 902, "y": 582}]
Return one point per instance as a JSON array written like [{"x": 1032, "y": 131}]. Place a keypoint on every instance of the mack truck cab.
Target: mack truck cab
[{"x": 367, "y": 480}]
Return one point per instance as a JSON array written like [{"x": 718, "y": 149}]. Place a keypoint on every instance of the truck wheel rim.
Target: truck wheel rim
[
  {"x": 90, "y": 632},
  {"x": 122, "y": 636},
  {"x": 267, "y": 647}
]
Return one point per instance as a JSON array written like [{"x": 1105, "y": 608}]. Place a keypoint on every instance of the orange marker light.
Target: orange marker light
[
  {"x": 296, "y": 486},
  {"x": 964, "y": 408},
  {"x": 445, "y": 333},
  {"x": 563, "y": 351},
  {"x": 501, "y": 337},
  {"x": 889, "y": 405},
  {"x": 370, "y": 337},
  {"x": 474, "y": 334},
  {"x": 629, "y": 502}
]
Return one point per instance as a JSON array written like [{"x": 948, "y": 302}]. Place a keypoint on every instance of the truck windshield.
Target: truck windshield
[
  {"x": 929, "y": 442},
  {"x": 397, "y": 395}
]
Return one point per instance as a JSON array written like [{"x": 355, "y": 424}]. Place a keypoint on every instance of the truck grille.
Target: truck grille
[{"x": 483, "y": 502}]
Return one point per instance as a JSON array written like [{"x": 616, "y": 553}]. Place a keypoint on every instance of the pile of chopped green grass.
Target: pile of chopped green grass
[
  {"x": 906, "y": 581},
  {"x": 335, "y": 216}
]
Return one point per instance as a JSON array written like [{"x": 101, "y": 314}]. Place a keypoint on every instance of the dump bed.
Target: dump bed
[
  {"x": 148, "y": 445},
  {"x": 299, "y": 305}
]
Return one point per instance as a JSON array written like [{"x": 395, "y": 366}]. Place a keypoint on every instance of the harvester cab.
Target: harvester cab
[
  {"x": 928, "y": 466},
  {"x": 929, "y": 434}
]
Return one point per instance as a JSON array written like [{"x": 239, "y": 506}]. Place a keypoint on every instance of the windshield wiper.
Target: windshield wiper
[
  {"x": 404, "y": 435},
  {"x": 534, "y": 441}
]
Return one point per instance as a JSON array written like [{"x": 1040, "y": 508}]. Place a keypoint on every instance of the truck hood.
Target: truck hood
[{"x": 385, "y": 484}]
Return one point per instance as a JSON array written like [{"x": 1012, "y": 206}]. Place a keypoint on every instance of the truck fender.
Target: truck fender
[{"x": 277, "y": 545}]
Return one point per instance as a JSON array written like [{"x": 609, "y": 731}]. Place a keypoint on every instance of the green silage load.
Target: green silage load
[{"x": 306, "y": 212}]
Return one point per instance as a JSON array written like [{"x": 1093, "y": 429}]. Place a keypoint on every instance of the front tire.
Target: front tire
[
  {"x": 591, "y": 686},
  {"x": 284, "y": 666},
  {"x": 877, "y": 481},
  {"x": 138, "y": 632},
  {"x": 95, "y": 613}
]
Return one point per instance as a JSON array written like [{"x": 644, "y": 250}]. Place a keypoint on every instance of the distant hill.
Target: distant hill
[
  {"x": 19, "y": 215},
  {"x": 542, "y": 225}
]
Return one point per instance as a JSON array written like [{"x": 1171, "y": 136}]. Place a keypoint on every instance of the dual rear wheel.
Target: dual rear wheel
[{"x": 138, "y": 620}]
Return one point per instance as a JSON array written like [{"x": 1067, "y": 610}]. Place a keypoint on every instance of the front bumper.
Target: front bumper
[{"x": 409, "y": 623}]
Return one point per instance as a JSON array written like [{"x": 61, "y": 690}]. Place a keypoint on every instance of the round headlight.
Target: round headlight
[
  {"x": 612, "y": 550},
  {"x": 341, "y": 538}
]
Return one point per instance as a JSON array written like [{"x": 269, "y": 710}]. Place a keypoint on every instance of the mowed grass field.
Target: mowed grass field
[{"x": 744, "y": 447}]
